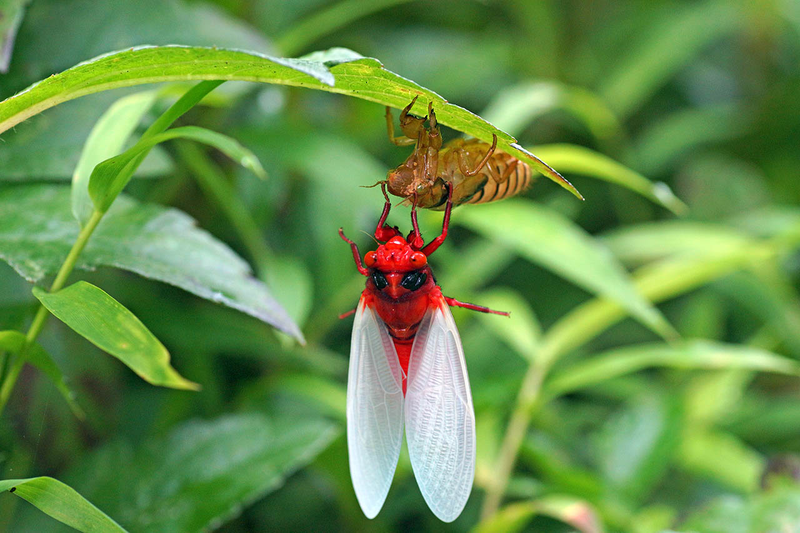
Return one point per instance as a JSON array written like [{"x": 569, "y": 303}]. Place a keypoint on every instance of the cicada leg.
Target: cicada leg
[
  {"x": 383, "y": 232},
  {"x": 500, "y": 178},
  {"x": 462, "y": 166},
  {"x": 435, "y": 243},
  {"x": 356, "y": 254},
  {"x": 452, "y": 302},
  {"x": 415, "y": 237},
  {"x": 402, "y": 140}
]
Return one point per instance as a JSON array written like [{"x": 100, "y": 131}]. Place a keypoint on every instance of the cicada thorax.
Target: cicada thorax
[{"x": 463, "y": 164}]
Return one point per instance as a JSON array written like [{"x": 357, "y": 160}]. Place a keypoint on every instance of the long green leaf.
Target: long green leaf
[
  {"x": 61, "y": 502},
  {"x": 106, "y": 140},
  {"x": 516, "y": 516},
  {"x": 689, "y": 355},
  {"x": 13, "y": 341},
  {"x": 337, "y": 70},
  {"x": 107, "y": 324},
  {"x": 549, "y": 239},
  {"x": 37, "y": 230},
  {"x": 570, "y": 158},
  {"x": 110, "y": 177}
]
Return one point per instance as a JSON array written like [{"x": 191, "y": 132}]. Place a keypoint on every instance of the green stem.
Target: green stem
[{"x": 41, "y": 314}]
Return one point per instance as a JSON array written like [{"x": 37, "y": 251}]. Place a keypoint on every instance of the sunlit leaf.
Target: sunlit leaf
[
  {"x": 37, "y": 231},
  {"x": 336, "y": 70},
  {"x": 107, "y": 324},
  {"x": 545, "y": 237},
  {"x": 62, "y": 503},
  {"x": 573, "y": 159},
  {"x": 689, "y": 356}
]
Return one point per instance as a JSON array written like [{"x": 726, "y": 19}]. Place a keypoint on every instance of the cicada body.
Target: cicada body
[
  {"x": 475, "y": 171},
  {"x": 407, "y": 369}
]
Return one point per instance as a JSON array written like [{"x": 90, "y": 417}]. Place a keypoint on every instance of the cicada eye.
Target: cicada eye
[
  {"x": 379, "y": 280},
  {"x": 414, "y": 280},
  {"x": 369, "y": 259},
  {"x": 418, "y": 259}
]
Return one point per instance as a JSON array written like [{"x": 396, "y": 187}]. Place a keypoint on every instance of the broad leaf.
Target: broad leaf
[
  {"x": 37, "y": 231},
  {"x": 107, "y": 324},
  {"x": 110, "y": 177},
  {"x": 544, "y": 236},
  {"x": 13, "y": 341},
  {"x": 688, "y": 355},
  {"x": 202, "y": 473},
  {"x": 61, "y": 502},
  {"x": 106, "y": 140},
  {"x": 337, "y": 70}
]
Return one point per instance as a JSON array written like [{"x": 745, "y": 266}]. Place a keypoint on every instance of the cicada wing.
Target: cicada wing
[
  {"x": 440, "y": 419},
  {"x": 374, "y": 409}
]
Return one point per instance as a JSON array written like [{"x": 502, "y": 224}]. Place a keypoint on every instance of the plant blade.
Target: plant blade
[
  {"x": 62, "y": 502},
  {"x": 107, "y": 324},
  {"x": 106, "y": 140}
]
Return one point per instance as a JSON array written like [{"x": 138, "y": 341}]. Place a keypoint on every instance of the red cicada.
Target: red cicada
[{"x": 407, "y": 368}]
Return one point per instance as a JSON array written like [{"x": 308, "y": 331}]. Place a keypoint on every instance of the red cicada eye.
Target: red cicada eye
[
  {"x": 369, "y": 259},
  {"x": 418, "y": 259}
]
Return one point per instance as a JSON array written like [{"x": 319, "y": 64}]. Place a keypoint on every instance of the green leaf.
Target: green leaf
[
  {"x": 545, "y": 237},
  {"x": 107, "y": 324},
  {"x": 110, "y": 177},
  {"x": 202, "y": 473},
  {"x": 337, "y": 70},
  {"x": 13, "y": 341},
  {"x": 570, "y": 158},
  {"x": 106, "y": 139},
  {"x": 721, "y": 457},
  {"x": 62, "y": 503},
  {"x": 37, "y": 231},
  {"x": 688, "y": 356},
  {"x": 658, "y": 240}
]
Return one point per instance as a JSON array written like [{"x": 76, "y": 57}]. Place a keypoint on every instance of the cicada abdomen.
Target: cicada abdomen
[{"x": 476, "y": 171}]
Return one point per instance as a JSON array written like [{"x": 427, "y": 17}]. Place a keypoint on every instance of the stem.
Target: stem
[
  {"x": 41, "y": 314},
  {"x": 527, "y": 400}
]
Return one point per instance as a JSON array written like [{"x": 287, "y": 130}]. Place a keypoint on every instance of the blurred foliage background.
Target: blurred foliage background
[{"x": 619, "y": 429}]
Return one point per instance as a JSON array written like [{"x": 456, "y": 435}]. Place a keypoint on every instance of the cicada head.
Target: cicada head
[{"x": 397, "y": 255}]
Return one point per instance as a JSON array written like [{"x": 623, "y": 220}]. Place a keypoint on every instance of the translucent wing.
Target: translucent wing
[
  {"x": 440, "y": 421},
  {"x": 374, "y": 409}
]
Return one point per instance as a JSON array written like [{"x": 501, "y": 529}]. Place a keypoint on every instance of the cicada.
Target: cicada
[
  {"x": 476, "y": 171},
  {"x": 407, "y": 368}
]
